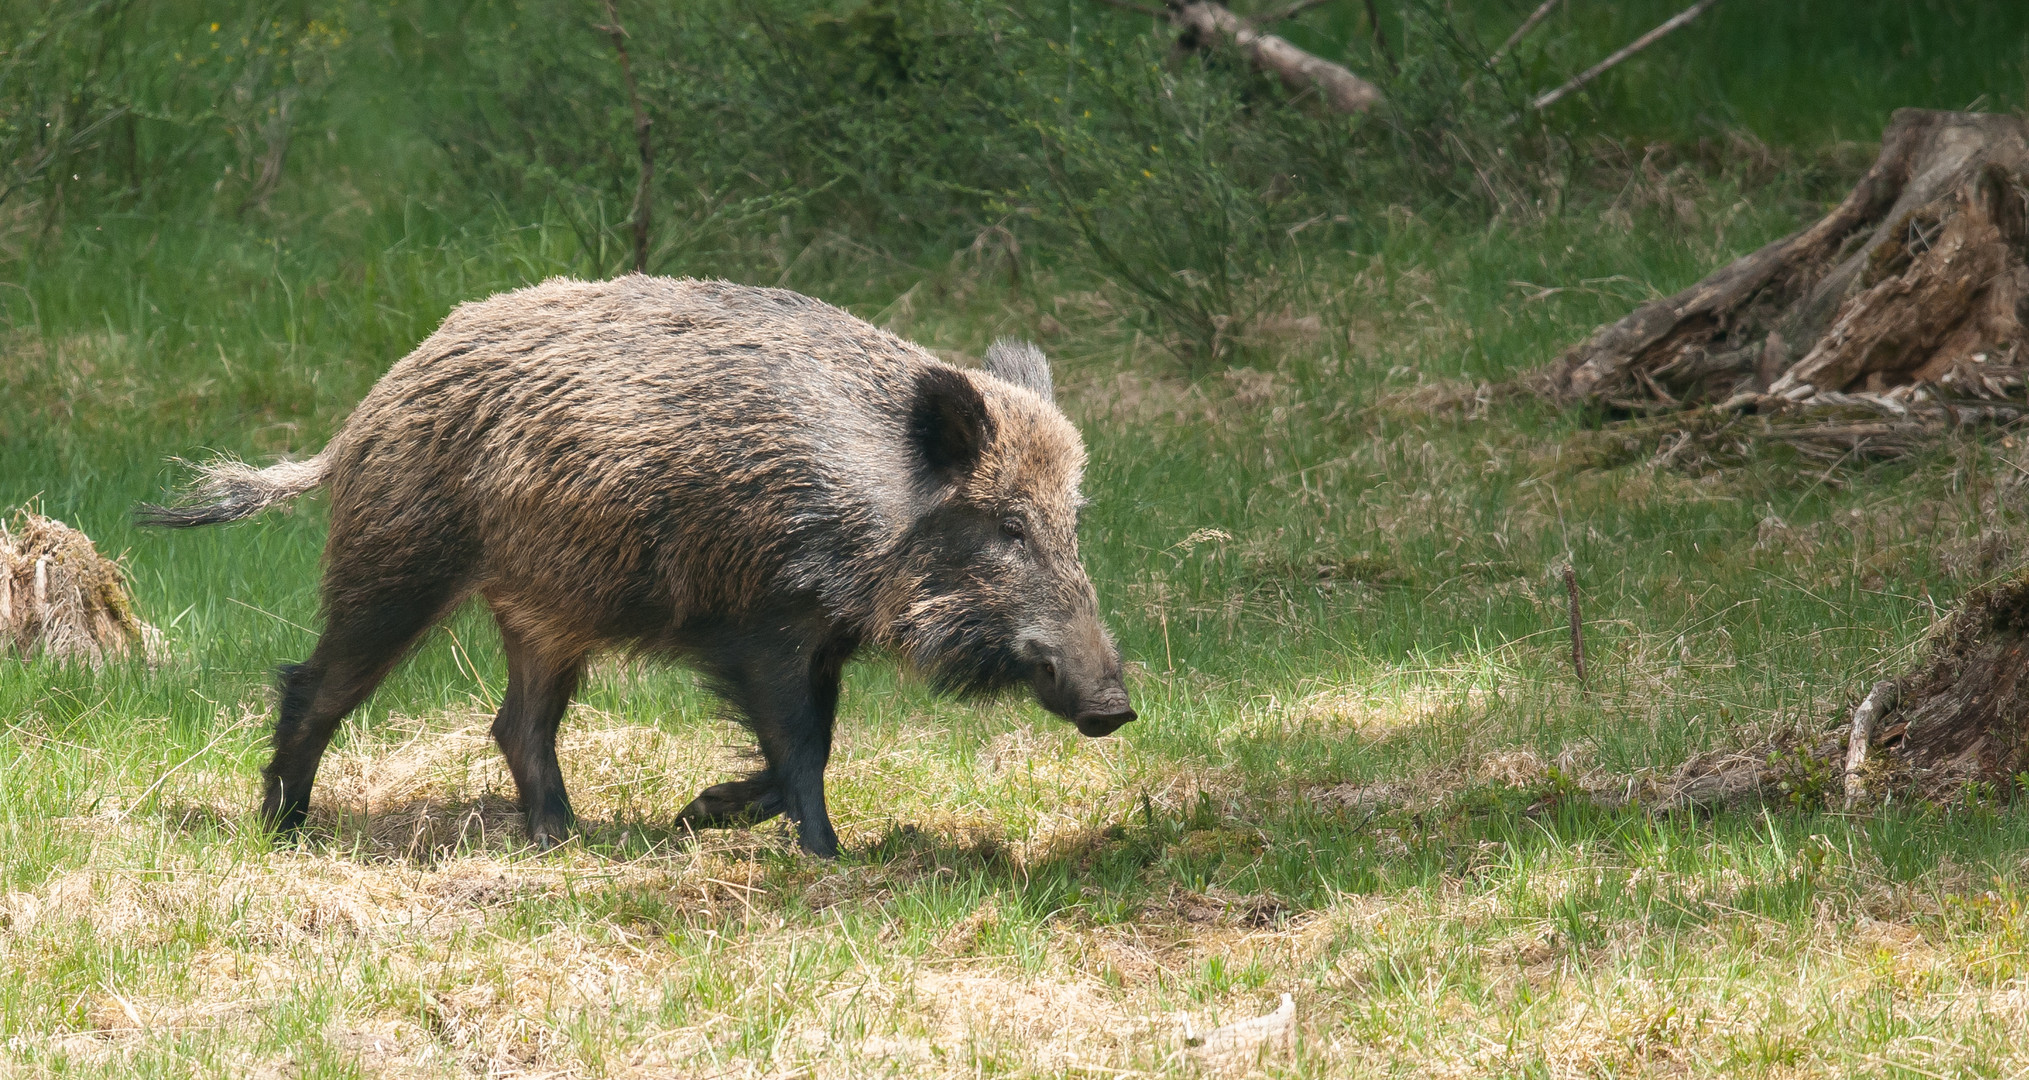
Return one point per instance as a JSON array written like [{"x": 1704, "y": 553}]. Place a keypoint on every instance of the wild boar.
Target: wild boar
[{"x": 745, "y": 479}]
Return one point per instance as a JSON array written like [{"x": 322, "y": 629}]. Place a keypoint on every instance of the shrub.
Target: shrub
[{"x": 155, "y": 101}]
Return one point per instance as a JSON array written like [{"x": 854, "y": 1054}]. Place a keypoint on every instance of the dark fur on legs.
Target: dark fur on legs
[{"x": 743, "y": 478}]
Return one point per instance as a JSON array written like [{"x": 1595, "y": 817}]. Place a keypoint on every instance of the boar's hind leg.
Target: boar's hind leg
[
  {"x": 735, "y": 803},
  {"x": 789, "y": 697},
  {"x": 539, "y": 687},
  {"x": 363, "y": 639}
]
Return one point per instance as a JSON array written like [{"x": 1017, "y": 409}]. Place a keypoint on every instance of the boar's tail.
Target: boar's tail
[{"x": 228, "y": 490}]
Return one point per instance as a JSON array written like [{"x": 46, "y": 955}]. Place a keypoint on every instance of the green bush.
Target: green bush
[
  {"x": 164, "y": 102},
  {"x": 794, "y": 140},
  {"x": 873, "y": 123}
]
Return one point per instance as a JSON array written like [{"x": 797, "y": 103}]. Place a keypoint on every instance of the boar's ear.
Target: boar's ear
[
  {"x": 948, "y": 421},
  {"x": 1020, "y": 363}
]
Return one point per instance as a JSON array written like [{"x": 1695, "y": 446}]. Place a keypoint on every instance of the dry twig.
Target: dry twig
[
  {"x": 1577, "y": 623},
  {"x": 1542, "y": 12},
  {"x": 1633, "y": 47}
]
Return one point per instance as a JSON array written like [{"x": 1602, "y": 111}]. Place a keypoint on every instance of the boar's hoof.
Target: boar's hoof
[
  {"x": 734, "y": 804},
  {"x": 546, "y": 837}
]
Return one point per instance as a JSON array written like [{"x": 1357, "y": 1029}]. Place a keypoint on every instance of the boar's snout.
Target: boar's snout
[
  {"x": 1108, "y": 712},
  {"x": 1082, "y": 683}
]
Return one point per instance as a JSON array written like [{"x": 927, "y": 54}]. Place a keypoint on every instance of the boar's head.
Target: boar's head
[{"x": 992, "y": 594}]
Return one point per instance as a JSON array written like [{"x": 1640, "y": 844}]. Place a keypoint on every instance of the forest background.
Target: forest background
[{"x": 1331, "y": 545}]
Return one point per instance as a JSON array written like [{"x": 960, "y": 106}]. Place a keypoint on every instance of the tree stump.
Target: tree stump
[
  {"x": 1902, "y": 311},
  {"x": 60, "y": 598}
]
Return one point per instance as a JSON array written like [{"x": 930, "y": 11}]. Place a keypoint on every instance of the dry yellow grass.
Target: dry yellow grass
[{"x": 411, "y": 936}]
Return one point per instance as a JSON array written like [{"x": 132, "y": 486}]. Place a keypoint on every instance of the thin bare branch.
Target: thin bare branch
[
  {"x": 1632, "y": 48},
  {"x": 1577, "y": 623},
  {"x": 1542, "y": 12},
  {"x": 1288, "y": 13},
  {"x": 644, "y": 193}
]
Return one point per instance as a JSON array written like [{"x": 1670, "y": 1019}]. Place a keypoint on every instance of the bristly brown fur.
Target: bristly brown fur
[{"x": 745, "y": 477}]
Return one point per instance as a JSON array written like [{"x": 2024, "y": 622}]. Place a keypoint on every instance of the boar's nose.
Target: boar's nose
[{"x": 1104, "y": 712}]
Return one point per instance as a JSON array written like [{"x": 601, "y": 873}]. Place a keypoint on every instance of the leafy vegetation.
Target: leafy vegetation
[{"x": 1365, "y": 774}]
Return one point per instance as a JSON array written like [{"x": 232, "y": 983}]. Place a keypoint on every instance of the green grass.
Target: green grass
[{"x": 1364, "y": 775}]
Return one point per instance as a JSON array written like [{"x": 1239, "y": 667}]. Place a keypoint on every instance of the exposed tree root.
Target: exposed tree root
[
  {"x": 1963, "y": 716},
  {"x": 1830, "y": 431}
]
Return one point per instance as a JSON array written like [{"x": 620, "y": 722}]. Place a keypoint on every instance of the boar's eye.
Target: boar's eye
[{"x": 1014, "y": 529}]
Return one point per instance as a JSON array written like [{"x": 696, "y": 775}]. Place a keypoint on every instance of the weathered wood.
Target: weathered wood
[
  {"x": 1860, "y": 737},
  {"x": 1238, "y": 1045},
  {"x": 1906, "y": 299},
  {"x": 1199, "y": 22}
]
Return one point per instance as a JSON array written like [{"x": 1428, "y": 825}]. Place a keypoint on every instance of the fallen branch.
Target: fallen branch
[
  {"x": 1198, "y": 22},
  {"x": 1298, "y": 70},
  {"x": 1632, "y": 48},
  {"x": 1242, "y": 1043},
  {"x": 1858, "y": 431}
]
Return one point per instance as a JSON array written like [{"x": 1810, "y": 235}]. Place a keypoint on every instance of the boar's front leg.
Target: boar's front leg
[{"x": 788, "y": 696}]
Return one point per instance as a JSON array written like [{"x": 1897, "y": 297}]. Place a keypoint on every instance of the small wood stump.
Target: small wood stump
[
  {"x": 1963, "y": 715},
  {"x": 1897, "y": 317},
  {"x": 60, "y": 598}
]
